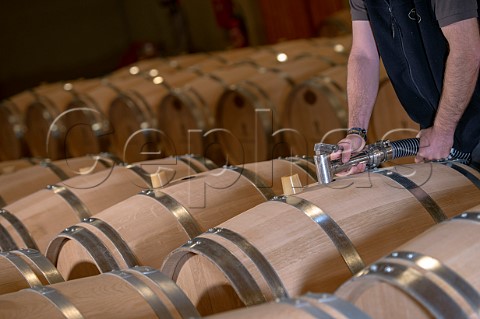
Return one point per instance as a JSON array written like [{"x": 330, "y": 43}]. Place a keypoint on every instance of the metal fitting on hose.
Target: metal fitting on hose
[{"x": 372, "y": 156}]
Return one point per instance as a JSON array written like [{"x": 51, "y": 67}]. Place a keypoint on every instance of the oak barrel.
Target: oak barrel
[
  {"x": 337, "y": 24},
  {"x": 155, "y": 64},
  {"x": 13, "y": 144},
  {"x": 183, "y": 61},
  {"x": 333, "y": 51},
  {"x": 35, "y": 220},
  {"x": 388, "y": 116},
  {"x": 25, "y": 268},
  {"x": 223, "y": 58},
  {"x": 132, "y": 117},
  {"x": 87, "y": 124},
  {"x": 144, "y": 228},
  {"x": 323, "y": 49},
  {"x": 316, "y": 110},
  {"x": 10, "y": 166},
  {"x": 188, "y": 113},
  {"x": 316, "y": 240},
  {"x": 26, "y": 181},
  {"x": 46, "y": 130},
  {"x": 316, "y": 305},
  {"x": 434, "y": 275},
  {"x": 340, "y": 44},
  {"x": 136, "y": 293},
  {"x": 251, "y": 110}
]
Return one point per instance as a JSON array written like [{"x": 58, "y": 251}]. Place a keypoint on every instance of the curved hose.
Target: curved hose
[
  {"x": 410, "y": 146},
  {"x": 405, "y": 147}
]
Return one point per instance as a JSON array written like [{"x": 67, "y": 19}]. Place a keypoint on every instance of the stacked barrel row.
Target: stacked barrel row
[
  {"x": 177, "y": 237},
  {"x": 32, "y": 221},
  {"x": 237, "y": 106}
]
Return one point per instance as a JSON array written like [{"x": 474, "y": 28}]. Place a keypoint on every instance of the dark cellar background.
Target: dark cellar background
[{"x": 46, "y": 41}]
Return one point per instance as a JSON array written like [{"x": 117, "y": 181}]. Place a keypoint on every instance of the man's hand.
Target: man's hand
[
  {"x": 350, "y": 145},
  {"x": 434, "y": 145}
]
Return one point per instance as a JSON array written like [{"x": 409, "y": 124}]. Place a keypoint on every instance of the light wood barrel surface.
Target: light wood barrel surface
[
  {"x": 336, "y": 25},
  {"x": 136, "y": 293},
  {"x": 26, "y": 181},
  {"x": 193, "y": 107},
  {"x": 388, "y": 116},
  {"x": 132, "y": 117},
  {"x": 87, "y": 123},
  {"x": 433, "y": 275},
  {"x": 316, "y": 240},
  {"x": 313, "y": 47},
  {"x": 10, "y": 166},
  {"x": 317, "y": 111},
  {"x": 45, "y": 128},
  {"x": 45, "y": 213},
  {"x": 311, "y": 305},
  {"x": 25, "y": 268},
  {"x": 153, "y": 223},
  {"x": 251, "y": 110}
]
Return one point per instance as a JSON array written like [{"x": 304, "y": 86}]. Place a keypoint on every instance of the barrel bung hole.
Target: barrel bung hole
[
  {"x": 309, "y": 97},
  {"x": 177, "y": 104},
  {"x": 238, "y": 101}
]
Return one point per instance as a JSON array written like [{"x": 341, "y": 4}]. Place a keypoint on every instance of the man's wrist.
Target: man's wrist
[
  {"x": 448, "y": 129},
  {"x": 358, "y": 131}
]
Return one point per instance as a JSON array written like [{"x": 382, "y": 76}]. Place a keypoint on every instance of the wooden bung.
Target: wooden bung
[
  {"x": 316, "y": 240},
  {"x": 291, "y": 185},
  {"x": 144, "y": 228},
  {"x": 434, "y": 275}
]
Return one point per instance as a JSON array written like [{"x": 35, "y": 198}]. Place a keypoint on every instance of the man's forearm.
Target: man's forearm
[
  {"x": 461, "y": 75},
  {"x": 362, "y": 88}
]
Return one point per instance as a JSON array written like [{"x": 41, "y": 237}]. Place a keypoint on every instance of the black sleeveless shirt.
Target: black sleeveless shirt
[{"x": 414, "y": 51}]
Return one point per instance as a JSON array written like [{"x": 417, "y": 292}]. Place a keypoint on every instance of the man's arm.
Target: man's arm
[
  {"x": 362, "y": 85},
  {"x": 363, "y": 75},
  {"x": 461, "y": 75}
]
